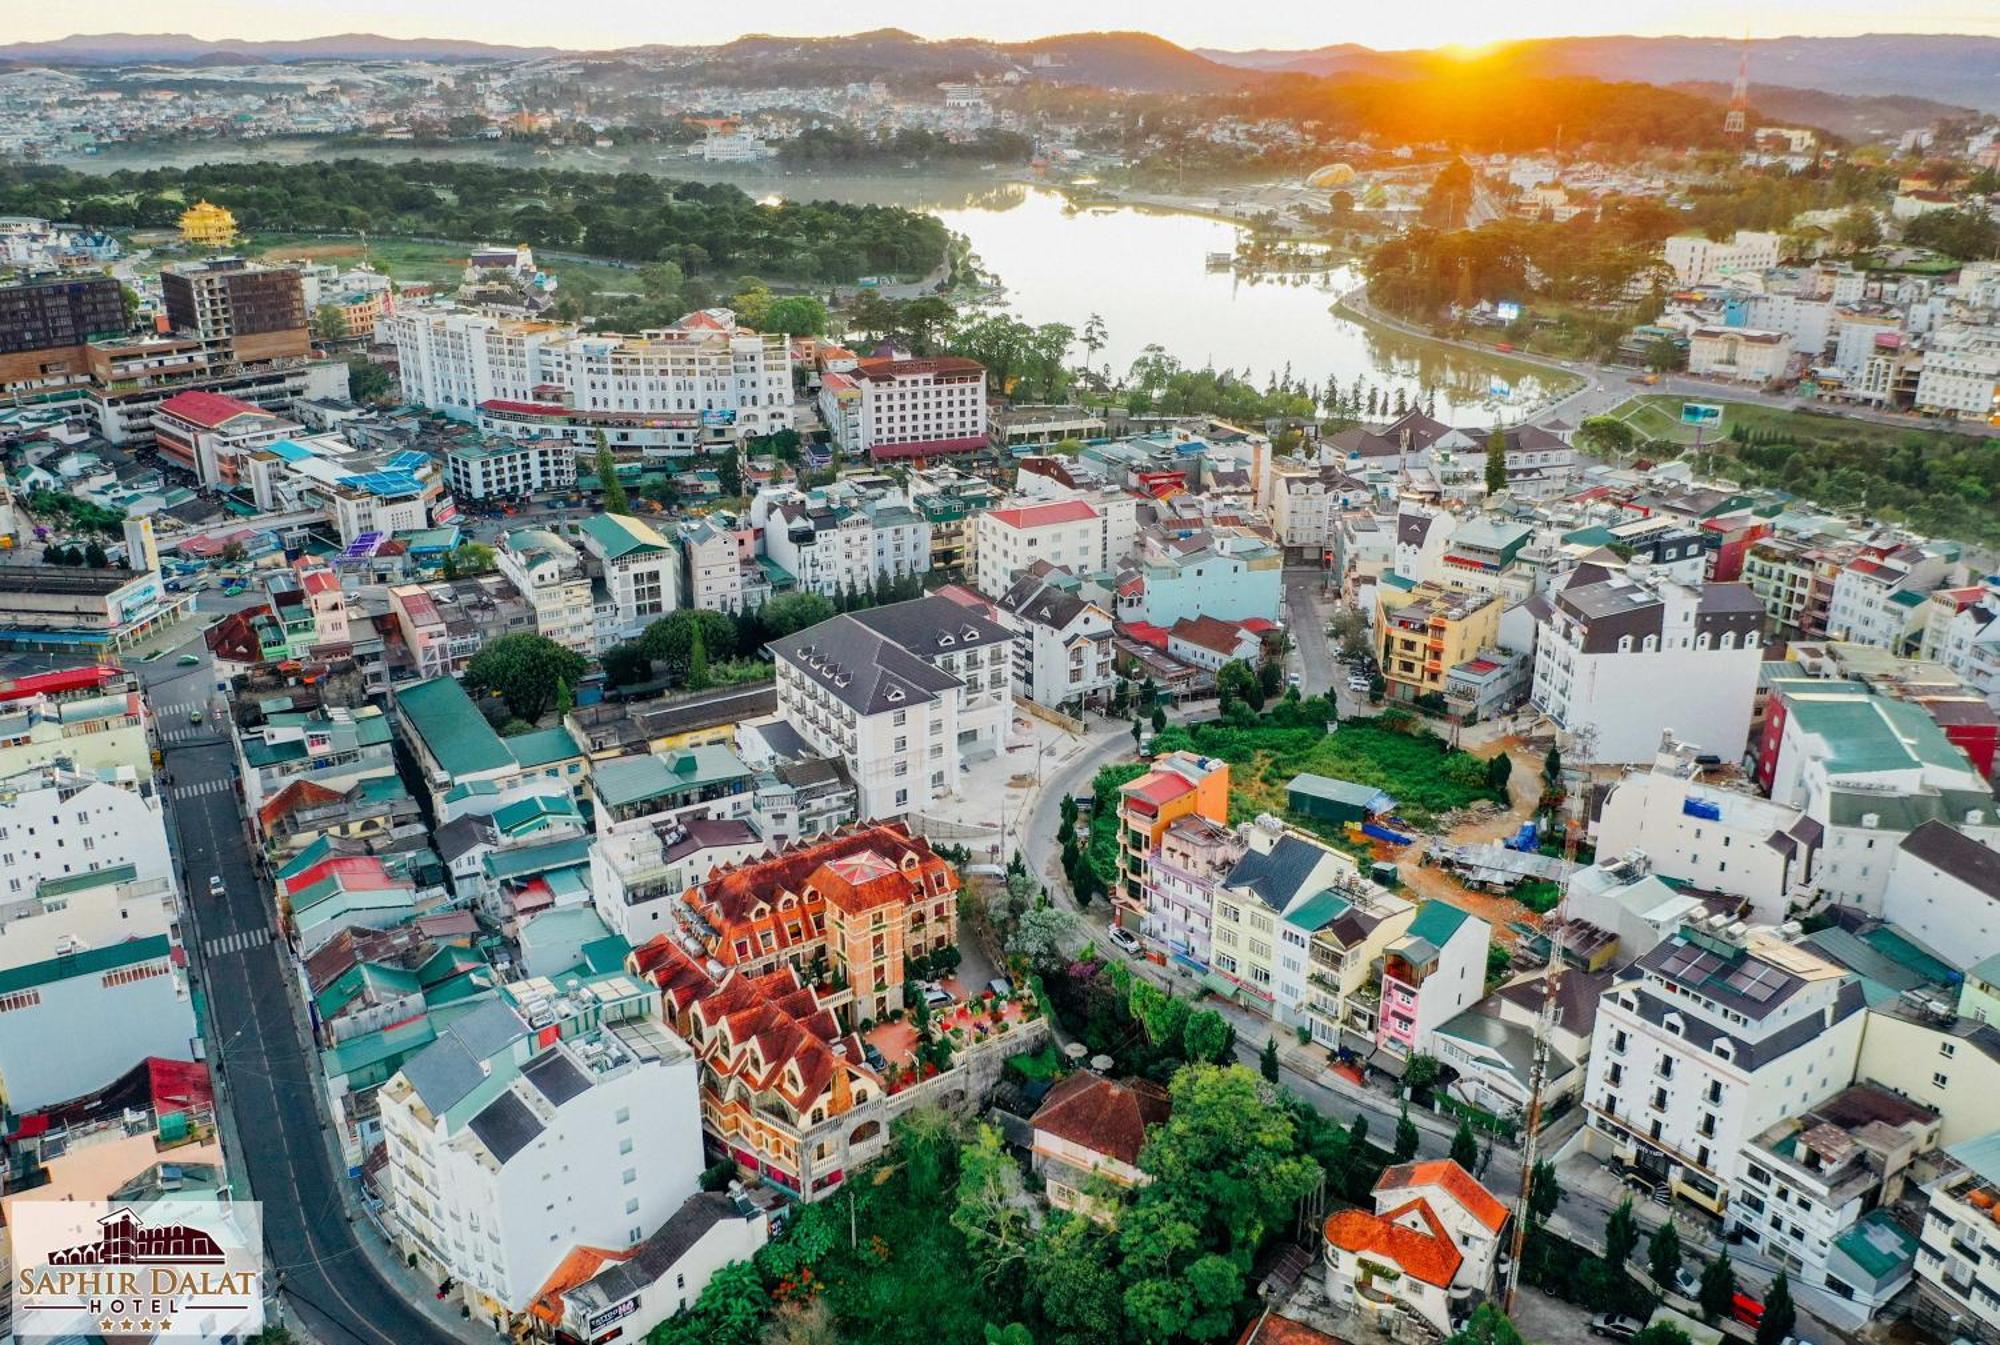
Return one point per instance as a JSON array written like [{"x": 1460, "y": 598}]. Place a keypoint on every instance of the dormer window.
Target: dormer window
[{"x": 946, "y": 641}]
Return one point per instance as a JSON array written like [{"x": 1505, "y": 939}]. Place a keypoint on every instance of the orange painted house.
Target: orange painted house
[{"x": 1180, "y": 784}]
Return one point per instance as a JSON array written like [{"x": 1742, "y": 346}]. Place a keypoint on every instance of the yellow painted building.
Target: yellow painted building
[
  {"x": 207, "y": 225},
  {"x": 1423, "y": 632}
]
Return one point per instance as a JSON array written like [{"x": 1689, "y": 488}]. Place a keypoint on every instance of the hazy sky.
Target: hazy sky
[{"x": 1245, "y": 23}]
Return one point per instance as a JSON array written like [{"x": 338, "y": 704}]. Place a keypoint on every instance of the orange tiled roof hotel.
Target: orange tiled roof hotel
[{"x": 758, "y": 988}]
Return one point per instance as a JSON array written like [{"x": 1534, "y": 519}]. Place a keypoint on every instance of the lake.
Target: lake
[{"x": 1143, "y": 271}]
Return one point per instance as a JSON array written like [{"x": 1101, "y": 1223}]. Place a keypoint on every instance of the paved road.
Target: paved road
[
  {"x": 1607, "y": 386},
  {"x": 263, "y": 1072},
  {"x": 1307, "y": 618}
]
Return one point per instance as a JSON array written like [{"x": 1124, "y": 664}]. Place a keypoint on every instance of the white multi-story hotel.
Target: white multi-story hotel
[
  {"x": 548, "y": 572},
  {"x": 1718, "y": 840},
  {"x": 1961, "y": 373},
  {"x": 1710, "y": 1039},
  {"x": 722, "y": 567},
  {"x": 505, "y": 1154},
  {"x": 642, "y": 570},
  {"x": 902, "y": 694},
  {"x": 1621, "y": 657},
  {"x": 1703, "y": 261},
  {"x": 1068, "y": 533},
  {"x": 918, "y": 408},
  {"x": 510, "y": 469},
  {"x": 847, "y": 537},
  {"x": 1062, "y": 644},
  {"x": 57, "y": 824},
  {"x": 702, "y": 383}
]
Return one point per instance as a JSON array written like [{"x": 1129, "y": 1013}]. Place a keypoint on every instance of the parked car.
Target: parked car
[
  {"x": 936, "y": 995},
  {"x": 1000, "y": 986},
  {"x": 1687, "y": 1283},
  {"x": 1746, "y": 1309},
  {"x": 1123, "y": 938},
  {"x": 1614, "y": 1326},
  {"x": 187, "y": 660},
  {"x": 1358, "y": 683}
]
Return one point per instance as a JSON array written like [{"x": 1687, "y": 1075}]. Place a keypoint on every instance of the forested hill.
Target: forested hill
[{"x": 711, "y": 228}]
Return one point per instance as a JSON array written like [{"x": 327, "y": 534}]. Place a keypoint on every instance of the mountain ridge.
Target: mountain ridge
[{"x": 1953, "y": 68}]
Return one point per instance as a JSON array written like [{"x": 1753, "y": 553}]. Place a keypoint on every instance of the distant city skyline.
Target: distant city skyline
[{"x": 1258, "y": 23}]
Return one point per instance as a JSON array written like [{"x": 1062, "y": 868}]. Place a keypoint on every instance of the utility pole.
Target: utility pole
[{"x": 1538, "y": 1075}]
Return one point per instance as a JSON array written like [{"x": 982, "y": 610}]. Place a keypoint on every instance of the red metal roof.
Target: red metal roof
[
  {"x": 888, "y": 370},
  {"x": 55, "y": 683},
  {"x": 210, "y": 410},
  {"x": 1043, "y": 515},
  {"x": 1158, "y": 787}
]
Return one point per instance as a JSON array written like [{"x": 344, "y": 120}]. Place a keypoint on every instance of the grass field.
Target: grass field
[
  {"x": 1658, "y": 416},
  {"x": 417, "y": 261}
]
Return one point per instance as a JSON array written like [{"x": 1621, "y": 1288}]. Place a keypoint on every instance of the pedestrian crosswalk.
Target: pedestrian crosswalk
[
  {"x": 183, "y": 733},
  {"x": 237, "y": 942},
  {"x": 179, "y": 710},
  {"x": 196, "y": 789}
]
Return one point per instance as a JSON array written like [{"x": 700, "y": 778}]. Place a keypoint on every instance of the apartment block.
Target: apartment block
[
  {"x": 900, "y": 695},
  {"x": 1710, "y": 1039},
  {"x": 1426, "y": 631},
  {"x": 1621, "y": 657},
  {"x": 242, "y": 312}
]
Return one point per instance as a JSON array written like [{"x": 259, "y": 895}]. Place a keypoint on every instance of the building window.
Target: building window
[{"x": 1940, "y": 1081}]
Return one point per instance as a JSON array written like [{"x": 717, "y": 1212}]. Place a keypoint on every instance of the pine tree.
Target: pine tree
[
  {"x": 1268, "y": 1061},
  {"x": 1465, "y": 1146},
  {"x": 1496, "y": 461},
  {"x": 615, "y": 500},
  {"x": 698, "y": 678},
  {"x": 1718, "y": 1287},
  {"x": 1664, "y": 1256},
  {"x": 1780, "y": 1315},
  {"x": 1621, "y": 1233},
  {"x": 1406, "y": 1137}
]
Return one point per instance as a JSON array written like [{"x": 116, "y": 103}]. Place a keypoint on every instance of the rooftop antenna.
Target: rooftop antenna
[{"x": 1736, "y": 121}]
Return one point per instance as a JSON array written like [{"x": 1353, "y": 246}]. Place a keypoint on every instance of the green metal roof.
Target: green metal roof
[
  {"x": 543, "y": 747},
  {"x": 1874, "y": 733},
  {"x": 466, "y": 985},
  {"x": 387, "y": 981},
  {"x": 606, "y": 954},
  {"x": 532, "y": 859},
  {"x": 1436, "y": 922},
  {"x": 83, "y": 882},
  {"x": 622, "y": 535},
  {"x": 372, "y": 1048},
  {"x": 630, "y": 780},
  {"x": 90, "y": 961},
  {"x": 1339, "y": 791},
  {"x": 1318, "y": 911},
  {"x": 448, "y": 961},
  {"x": 453, "y": 731}
]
